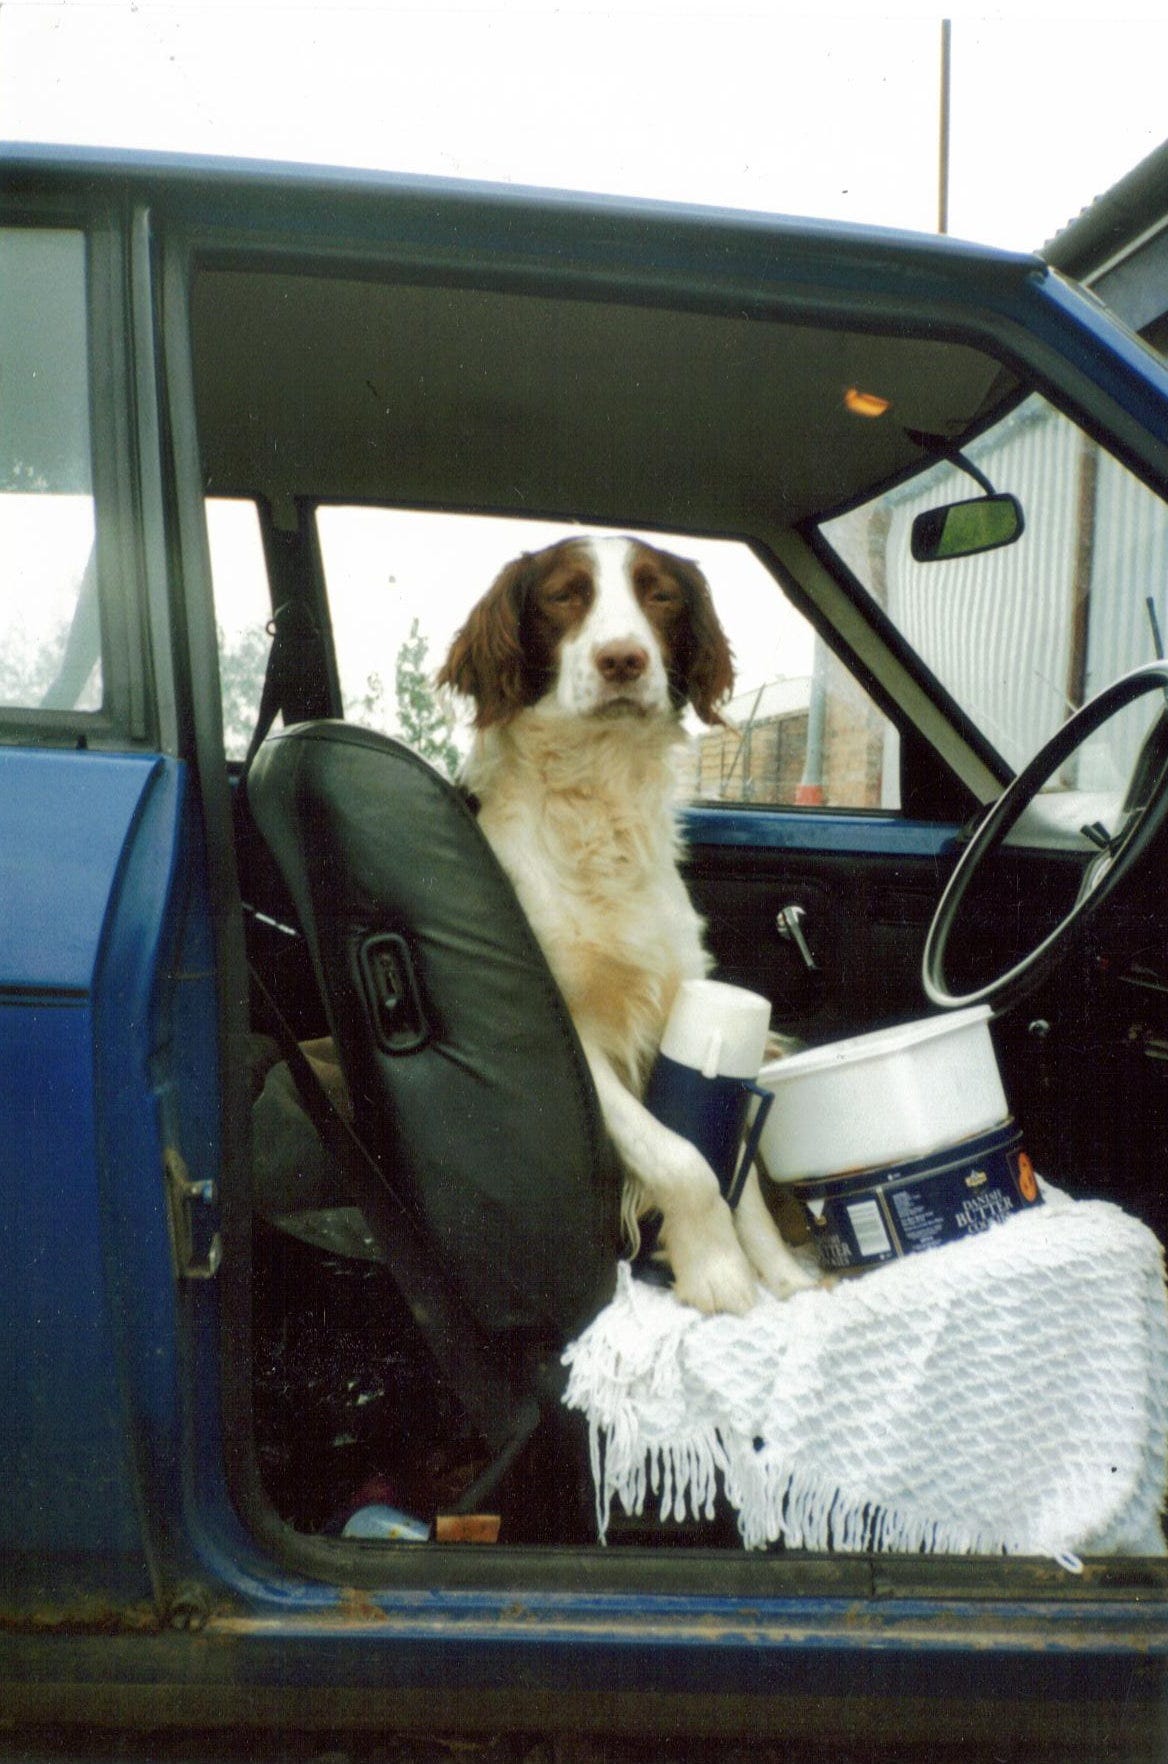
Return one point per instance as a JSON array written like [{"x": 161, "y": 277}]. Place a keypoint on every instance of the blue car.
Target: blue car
[{"x": 270, "y": 1377}]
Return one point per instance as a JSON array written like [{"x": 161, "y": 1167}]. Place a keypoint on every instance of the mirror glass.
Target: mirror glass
[{"x": 961, "y": 529}]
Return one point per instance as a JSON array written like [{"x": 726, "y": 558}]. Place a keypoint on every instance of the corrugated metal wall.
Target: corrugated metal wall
[
  {"x": 1022, "y": 635},
  {"x": 1129, "y": 568}
]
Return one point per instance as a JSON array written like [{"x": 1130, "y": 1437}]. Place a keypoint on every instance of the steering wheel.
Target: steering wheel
[{"x": 1144, "y": 810}]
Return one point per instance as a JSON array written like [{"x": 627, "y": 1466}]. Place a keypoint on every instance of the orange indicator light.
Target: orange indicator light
[{"x": 865, "y": 404}]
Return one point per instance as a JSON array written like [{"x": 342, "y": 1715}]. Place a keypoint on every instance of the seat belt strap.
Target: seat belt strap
[{"x": 295, "y": 646}]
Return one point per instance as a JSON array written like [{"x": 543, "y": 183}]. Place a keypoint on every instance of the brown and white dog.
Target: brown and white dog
[{"x": 580, "y": 660}]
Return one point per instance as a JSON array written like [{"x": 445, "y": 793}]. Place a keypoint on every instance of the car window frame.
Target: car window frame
[
  {"x": 185, "y": 252},
  {"x": 124, "y": 718}
]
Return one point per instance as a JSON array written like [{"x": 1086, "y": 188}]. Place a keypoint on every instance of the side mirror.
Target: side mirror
[{"x": 962, "y": 529}]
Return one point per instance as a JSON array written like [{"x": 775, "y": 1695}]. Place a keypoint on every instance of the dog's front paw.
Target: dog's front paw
[
  {"x": 710, "y": 1270},
  {"x": 787, "y": 1276},
  {"x": 720, "y": 1285},
  {"x": 778, "y": 1267}
]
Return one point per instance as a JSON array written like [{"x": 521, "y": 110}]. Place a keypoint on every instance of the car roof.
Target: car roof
[
  {"x": 218, "y": 184},
  {"x": 363, "y": 335}
]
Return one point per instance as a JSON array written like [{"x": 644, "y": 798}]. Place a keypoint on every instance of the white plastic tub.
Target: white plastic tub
[{"x": 883, "y": 1098}]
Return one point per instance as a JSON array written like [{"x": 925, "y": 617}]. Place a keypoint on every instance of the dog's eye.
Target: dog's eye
[
  {"x": 654, "y": 588},
  {"x": 567, "y": 592}
]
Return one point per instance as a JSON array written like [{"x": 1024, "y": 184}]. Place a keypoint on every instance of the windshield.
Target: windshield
[{"x": 1020, "y": 636}]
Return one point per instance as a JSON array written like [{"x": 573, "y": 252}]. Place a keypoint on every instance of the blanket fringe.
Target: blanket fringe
[{"x": 774, "y": 1502}]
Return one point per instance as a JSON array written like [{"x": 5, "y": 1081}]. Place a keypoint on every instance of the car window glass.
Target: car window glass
[
  {"x": 797, "y": 730},
  {"x": 1024, "y": 634},
  {"x": 50, "y": 630},
  {"x": 243, "y": 609}
]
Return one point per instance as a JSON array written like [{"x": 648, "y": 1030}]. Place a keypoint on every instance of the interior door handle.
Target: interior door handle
[{"x": 789, "y": 924}]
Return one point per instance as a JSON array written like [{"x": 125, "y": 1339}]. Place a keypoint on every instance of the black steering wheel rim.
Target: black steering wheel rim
[{"x": 1105, "y": 872}]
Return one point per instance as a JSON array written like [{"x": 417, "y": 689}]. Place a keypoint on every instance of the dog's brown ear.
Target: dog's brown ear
[
  {"x": 486, "y": 661},
  {"x": 706, "y": 664}
]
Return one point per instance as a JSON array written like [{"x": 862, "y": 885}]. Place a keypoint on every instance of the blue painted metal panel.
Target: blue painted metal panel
[
  {"x": 67, "y": 1506},
  {"x": 1086, "y": 335},
  {"x": 108, "y": 1051},
  {"x": 799, "y": 830},
  {"x": 69, "y": 1510},
  {"x": 156, "y": 1070},
  {"x": 64, "y": 818}
]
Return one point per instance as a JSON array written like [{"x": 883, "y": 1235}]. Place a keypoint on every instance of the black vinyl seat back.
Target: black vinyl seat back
[{"x": 468, "y": 1082}]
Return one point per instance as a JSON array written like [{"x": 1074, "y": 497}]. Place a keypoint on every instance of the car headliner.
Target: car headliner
[{"x": 481, "y": 398}]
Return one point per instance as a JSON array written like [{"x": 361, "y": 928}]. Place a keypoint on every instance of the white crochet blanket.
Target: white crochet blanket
[{"x": 1003, "y": 1394}]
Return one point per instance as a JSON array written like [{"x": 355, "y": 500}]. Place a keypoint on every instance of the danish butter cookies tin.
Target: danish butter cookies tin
[{"x": 868, "y": 1217}]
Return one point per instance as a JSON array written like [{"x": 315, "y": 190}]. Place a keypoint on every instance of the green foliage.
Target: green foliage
[
  {"x": 423, "y": 722},
  {"x": 242, "y": 665},
  {"x": 418, "y": 716}
]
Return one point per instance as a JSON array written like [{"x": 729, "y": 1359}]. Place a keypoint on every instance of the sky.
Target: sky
[
  {"x": 748, "y": 106},
  {"x": 741, "y": 106}
]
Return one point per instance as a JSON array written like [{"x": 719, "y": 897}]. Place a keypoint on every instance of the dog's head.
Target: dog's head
[{"x": 593, "y": 627}]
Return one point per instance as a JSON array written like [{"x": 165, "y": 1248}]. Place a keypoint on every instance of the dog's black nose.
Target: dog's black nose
[{"x": 621, "y": 663}]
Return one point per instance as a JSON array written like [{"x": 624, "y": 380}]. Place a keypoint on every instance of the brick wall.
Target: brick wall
[{"x": 764, "y": 763}]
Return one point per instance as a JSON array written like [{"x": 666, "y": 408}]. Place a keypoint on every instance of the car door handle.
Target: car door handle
[{"x": 789, "y": 924}]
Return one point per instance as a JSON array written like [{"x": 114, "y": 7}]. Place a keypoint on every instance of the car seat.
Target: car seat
[{"x": 476, "y": 1152}]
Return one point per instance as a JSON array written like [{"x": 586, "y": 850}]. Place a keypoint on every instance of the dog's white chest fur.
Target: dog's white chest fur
[{"x": 581, "y": 813}]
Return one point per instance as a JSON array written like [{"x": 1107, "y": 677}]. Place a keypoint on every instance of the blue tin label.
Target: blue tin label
[{"x": 859, "y": 1221}]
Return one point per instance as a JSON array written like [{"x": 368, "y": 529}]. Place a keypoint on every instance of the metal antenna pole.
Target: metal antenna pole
[{"x": 943, "y": 157}]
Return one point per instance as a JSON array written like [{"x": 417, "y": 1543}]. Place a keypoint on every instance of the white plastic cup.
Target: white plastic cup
[{"x": 718, "y": 1029}]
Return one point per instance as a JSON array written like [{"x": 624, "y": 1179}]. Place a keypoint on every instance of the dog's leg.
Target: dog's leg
[
  {"x": 780, "y": 1272},
  {"x": 710, "y": 1269}
]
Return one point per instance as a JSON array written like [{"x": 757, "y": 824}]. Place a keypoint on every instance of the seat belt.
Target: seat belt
[{"x": 295, "y": 646}]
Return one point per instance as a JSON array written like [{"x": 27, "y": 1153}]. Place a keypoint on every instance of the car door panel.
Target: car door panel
[{"x": 864, "y": 886}]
